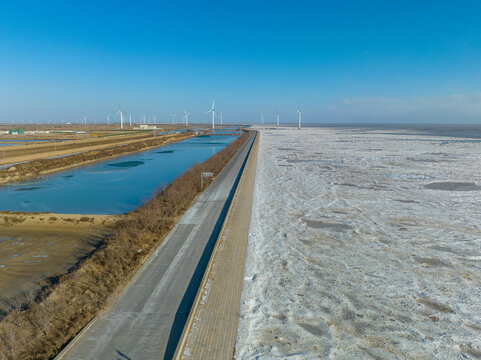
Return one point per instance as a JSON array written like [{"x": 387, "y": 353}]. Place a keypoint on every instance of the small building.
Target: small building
[
  {"x": 15, "y": 131},
  {"x": 147, "y": 127}
]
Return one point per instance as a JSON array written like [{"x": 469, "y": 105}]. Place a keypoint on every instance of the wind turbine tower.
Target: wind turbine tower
[
  {"x": 130, "y": 119},
  {"x": 262, "y": 118},
  {"x": 186, "y": 117},
  {"x": 173, "y": 118},
  {"x": 121, "y": 112},
  {"x": 221, "y": 119},
  {"x": 108, "y": 119},
  {"x": 277, "y": 118},
  {"x": 212, "y": 110}
]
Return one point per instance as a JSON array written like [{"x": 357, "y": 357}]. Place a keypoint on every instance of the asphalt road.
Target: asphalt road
[{"x": 147, "y": 320}]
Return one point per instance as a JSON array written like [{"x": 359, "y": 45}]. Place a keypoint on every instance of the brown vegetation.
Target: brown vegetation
[{"x": 39, "y": 329}]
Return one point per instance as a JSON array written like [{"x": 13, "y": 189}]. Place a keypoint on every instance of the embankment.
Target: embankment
[{"x": 38, "y": 330}]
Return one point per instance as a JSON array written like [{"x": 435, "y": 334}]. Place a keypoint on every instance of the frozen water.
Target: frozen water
[{"x": 352, "y": 254}]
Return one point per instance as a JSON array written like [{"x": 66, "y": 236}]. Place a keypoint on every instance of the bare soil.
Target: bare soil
[{"x": 38, "y": 247}]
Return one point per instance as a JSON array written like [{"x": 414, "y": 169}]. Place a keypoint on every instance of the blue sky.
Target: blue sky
[{"x": 346, "y": 61}]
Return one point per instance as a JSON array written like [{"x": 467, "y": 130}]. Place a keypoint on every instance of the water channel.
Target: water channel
[{"x": 114, "y": 186}]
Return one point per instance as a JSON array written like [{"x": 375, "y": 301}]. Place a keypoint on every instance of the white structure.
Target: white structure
[
  {"x": 108, "y": 119},
  {"x": 277, "y": 118},
  {"x": 221, "y": 119},
  {"x": 262, "y": 118},
  {"x": 173, "y": 118},
  {"x": 130, "y": 119},
  {"x": 186, "y": 118},
  {"x": 121, "y": 112},
  {"x": 147, "y": 127},
  {"x": 212, "y": 110},
  {"x": 299, "y": 112}
]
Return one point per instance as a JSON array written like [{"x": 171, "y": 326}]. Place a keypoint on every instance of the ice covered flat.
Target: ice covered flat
[{"x": 363, "y": 245}]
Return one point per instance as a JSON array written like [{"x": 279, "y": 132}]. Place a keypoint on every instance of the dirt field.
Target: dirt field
[{"x": 35, "y": 248}]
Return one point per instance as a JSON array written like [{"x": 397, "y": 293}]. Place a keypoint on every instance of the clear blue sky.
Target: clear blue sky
[{"x": 346, "y": 61}]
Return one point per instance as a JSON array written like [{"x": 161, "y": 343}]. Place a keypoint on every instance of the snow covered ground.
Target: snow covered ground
[{"x": 362, "y": 245}]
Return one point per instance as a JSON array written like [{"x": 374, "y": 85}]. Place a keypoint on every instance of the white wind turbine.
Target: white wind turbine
[
  {"x": 262, "y": 118},
  {"x": 277, "y": 118},
  {"x": 173, "y": 118},
  {"x": 186, "y": 117},
  {"x": 130, "y": 119},
  {"x": 299, "y": 111},
  {"x": 212, "y": 110},
  {"x": 220, "y": 119},
  {"x": 121, "y": 112},
  {"x": 108, "y": 119}
]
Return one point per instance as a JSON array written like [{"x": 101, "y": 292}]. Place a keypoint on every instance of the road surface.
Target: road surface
[{"x": 147, "y": 320}]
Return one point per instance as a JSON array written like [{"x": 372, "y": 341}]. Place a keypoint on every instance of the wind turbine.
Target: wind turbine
[
  {"x": 173, "y": 118},
  {"x": 299, "y": 112},
  {"x": 130, "y": 119},
  {"x": 262, "y": 118},
  {"x": 108, "y": 119},
  {"x": 186, "y": 117},
  {"x": 85, "y": 119},
  {"x": 277, "y": 118},
  {"x": 221, "y": 119},
  {"x": 121, "y": 112},
  {"x": 212, "y": 110}
]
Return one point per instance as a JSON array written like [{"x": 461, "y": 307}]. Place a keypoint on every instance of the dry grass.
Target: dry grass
[{"x": 38, "y": 329}]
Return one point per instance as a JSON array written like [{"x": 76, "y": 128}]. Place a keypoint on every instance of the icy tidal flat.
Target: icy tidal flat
[{"x": 363, "y": 245}]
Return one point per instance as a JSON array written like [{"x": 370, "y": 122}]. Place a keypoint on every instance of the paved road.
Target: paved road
[
  {"x": 147, "y": 320},
  {"x": 211, "y": 331}
]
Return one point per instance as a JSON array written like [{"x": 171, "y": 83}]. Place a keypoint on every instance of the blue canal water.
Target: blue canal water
[{"x": 114, "y": 186}]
